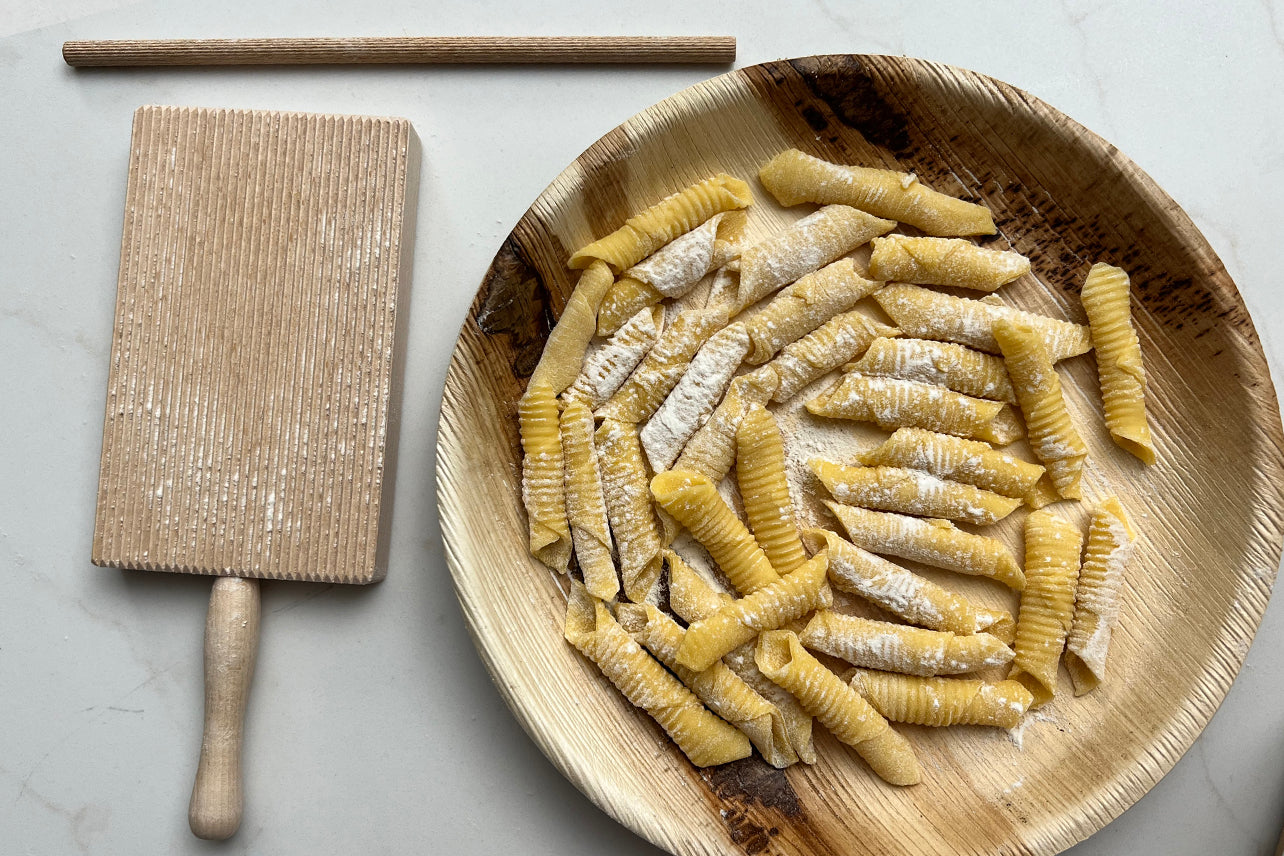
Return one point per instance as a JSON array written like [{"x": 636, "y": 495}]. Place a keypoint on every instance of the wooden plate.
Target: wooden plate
[{"x": 1209, "y": 512}]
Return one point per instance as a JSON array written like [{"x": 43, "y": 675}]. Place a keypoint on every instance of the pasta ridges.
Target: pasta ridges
[
  {"x": 911, "y": 491},
  {"x": 760, "y": 470},
  {"x": 543, "y": 477},
  {"x": 937, "y": 701},
  {"x": 585, "y": 503},
  {"x": 1110, "y": 544},
  {"x": 1052, "y": 569},
  {"x": 1107, "y": 302},
  {"x": 711, "y": 450}
]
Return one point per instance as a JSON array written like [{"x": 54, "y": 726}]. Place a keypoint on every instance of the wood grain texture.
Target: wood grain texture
[
  {"x": 249, "y": 425},
  {"x": 1210, "y": 513},
  {"x": 719, "y": 50}
]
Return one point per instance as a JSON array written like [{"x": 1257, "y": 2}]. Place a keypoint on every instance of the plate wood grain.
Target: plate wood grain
[{"x": 1209, "y": 512}]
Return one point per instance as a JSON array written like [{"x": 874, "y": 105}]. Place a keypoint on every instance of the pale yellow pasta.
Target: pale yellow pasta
[
  {"x": 563, "y": 357},
  {"x": 901, "y": 592},
  {"x": 725, "y": 286},
  {"x": 804, "y": 306},
  {"x": 911, "y": 492},
  {"x": 702, "y": 737},
  {"x": 999, "y": 623},
  {"x": 900, "y": 648},
  {"x": 793, "y": 177},
  {"x": 892, "y": 403},
  {"x": 663, "y": 366},
  {"x": 694, "y": 397},
  {"x": 1047, "y": 603},
  {"x": 722, "y": 690},
  {"x": 1105, "y": 298},
  {"x": 769, "y": 608},
  {"x": 948, "y": 457},
  {"x": 644, "y": 233},
  {"x": 812, "y": 242},
  {"x": 1096, "y": 607},
  {"x": 585, "y": 505},
  {"x": 543, "y": 477},
  {"x": 938, "y": 543},
  {"x": 694, "y": 502},
  {"x": 926, "y": 314},
  {"x": 943, "y": 701},
  {"x": 1052, "y": 436},
  {"x": 942, "y": 363},
  {"x": 841, "y": 709},
  {"x": 712, "y": 450},
  {"x": 760, "y": 472},
  {"x": 609, "y": 366},
  {"x": 1043, "y": 493},
  {"x": 835, "y": 343},
  {"x": 944, "y": 261},
  {"x": 626, "y": 486},
  {"x": 673, "y": 270}
]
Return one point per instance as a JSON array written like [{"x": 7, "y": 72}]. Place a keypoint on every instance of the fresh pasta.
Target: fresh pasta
[
  {"x": 900, "y": 648},
  {"x": 543, "y": 477},
  {"x": 942, "y": 701},
  {"x": 712, "y": 450},
  {"x": 954, "y": 458},
  {"x": 911, "y": 492},
  {"x": 941, "y": 363},
  {"x": 1096, "y": 601},
  {"x": 563, "y": 356},
  {"x": 1105, "y": 298},
  {"x": 760, "y": 469},
  {"x": 944, "y": 261},
  {"x": 836, "y": 342},
  {"x": 626, "y": 487},
  {"x": 804, "y": 306},
  {"x": 585, "y": 505},
  {"x": 1051, "y": 567},
  {"x": 609, "y": 366}
]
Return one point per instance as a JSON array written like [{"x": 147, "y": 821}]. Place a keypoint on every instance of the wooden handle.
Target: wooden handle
[
  {"x": 421, "y": 49},
  {"x": 231, "y": 644}
]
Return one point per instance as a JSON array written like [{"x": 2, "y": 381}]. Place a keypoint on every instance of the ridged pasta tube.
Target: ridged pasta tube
[
  {"x": 544, "y": 476},
  {"x": 768, "y": 608},
  {"x": 626, "y": 486},
  {"x": 840, "y": 708},
  {"x": 836, "y": 342},
  {"x": 900, "y": 648},
  {"x": 585, "y": 504},
  {"x": 563, "y": 357},
  {"x": 947, "y": 457},
  {"x": 1052, "y": 436},
  {"x": 609, "y": 366},
  {"x": 944, "y": 261},
  {"x": 802, "y": 307},
  {"x": 925, "y": 314},
  {"x": 1105, "y": 298},
  {"x": 938, "y": 543},
  {"x": 911, "y": 492},
  {"x": 760, "y": 470},
  {"x": 943, "y": 701},
  {"x": 1047, "y": 604},
  {"x": 891, "y": 403},
  {"x": 1096, "y": 609},
  {"x": 793, "y": 177},
  {"x": 712, "y": 450},
  {"x": 644, "y": 233},
  {"x": 694, "y": 501},
  {"x": 702, "y": 737},
  {"x": 942, "y": 363}
]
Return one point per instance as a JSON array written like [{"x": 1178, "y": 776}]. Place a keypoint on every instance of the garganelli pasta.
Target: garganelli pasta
[
  {"x": 585, "y": 505},
  {"x": 944, "y": 261},
  {"x": 942, "y": 363},
  {"x": 760, "y": 470},
  {"x": 901, "y": 648},
  {"x": 544, "y": 477},
  {"x": 836, "y": 342},
  {"x": 804, "y": 306},
  {"x": 1096, "y": 601},
  {"x": 568, "y": 341},
  {"x": 948, "y": 457},
  {"x": 911, "y": 492},
  {"x": 626, "y": 487},
  {"x": 943, "y": 701},
  {"x": 712, "y": 450},
  {"x": 610, "y": 365},
  {"x": 1051, "y": 569},
  {"x": 1105, "y": 298}
]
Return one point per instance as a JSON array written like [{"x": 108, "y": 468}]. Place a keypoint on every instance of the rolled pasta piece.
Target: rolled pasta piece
[
  {"x": 663, "y": 366},
  {"x": 835, "y": 343},
  {"x": 585, "y": 505},
  {"x": 543, "y": 477},
  {"x": 704, "y": 738},
  {"x": 722, "y": 690},
  {"x": 942, "y": 701},
  {"x": 694, "y": 501},
  {"x": 673, "y": 270},
  {"x": 804, "y": 306},
  {"x": 901, "y": 592},
  {"x": 900, "y": 648},
  {"x": 768, "y": 608},
  {"x": 609, "y": 367},
  {"x": 644, "y": 233},
  {"x": 694, "y": 397},
  {"x": 626, "y": 486},
  {"x": 760, "y": 471},
  {"x": 1043, "y": 493},
  {"x": 1096, "y": 609},
  {"x": 840, "y": 708},
  {"x": 814, "y": 241},
  {"x": 1105, "y": 298},
  {"x": 560, "y": 363},
  {"x": 944, "y": 261},
  {"x": 712, "y": 450},
  {"x": 926, "y": 314},
  {"x": 1051, "y": 570},
  {"x": 938, "y": 543},
  {"x": 1052, "y": 436},
  {"x": 947, "y": 457},
  {"x": 941, "y": 363},
  {"x": 911, "y": 492},
  {"x": 999, "y": 623},
  {"x": 793, "y": 177},
  {"x": 725, "y": 286},
  {"x": 891, "y": 403}
]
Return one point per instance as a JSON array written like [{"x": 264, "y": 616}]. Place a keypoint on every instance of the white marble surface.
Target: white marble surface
[{"x": 373, "y": 727}]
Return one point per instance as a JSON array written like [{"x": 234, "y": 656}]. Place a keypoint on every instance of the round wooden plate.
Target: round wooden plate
[{"x": 1209, "y": 512}]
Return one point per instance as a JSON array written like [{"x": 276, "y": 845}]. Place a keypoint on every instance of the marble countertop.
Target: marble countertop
[{"x": 373, "y": 727}]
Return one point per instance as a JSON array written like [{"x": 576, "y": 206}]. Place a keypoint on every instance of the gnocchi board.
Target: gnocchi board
[{"x": 1210, "y": 513}]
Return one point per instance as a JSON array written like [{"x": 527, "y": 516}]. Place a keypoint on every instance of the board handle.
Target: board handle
[{"x": 231, "y": 645}]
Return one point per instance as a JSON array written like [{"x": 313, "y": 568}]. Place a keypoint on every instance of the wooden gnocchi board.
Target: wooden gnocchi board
[{"x": 1210, "y": 514}]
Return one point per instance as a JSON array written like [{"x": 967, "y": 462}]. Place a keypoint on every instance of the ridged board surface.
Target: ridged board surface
[{"x": 248, "y": 425}]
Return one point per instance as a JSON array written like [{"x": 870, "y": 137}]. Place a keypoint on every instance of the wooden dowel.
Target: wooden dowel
[{"x": 419, "y": 50}]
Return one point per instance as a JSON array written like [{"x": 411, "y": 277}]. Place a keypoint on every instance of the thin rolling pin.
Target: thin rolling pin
[{"x": 419, "y": 50}]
